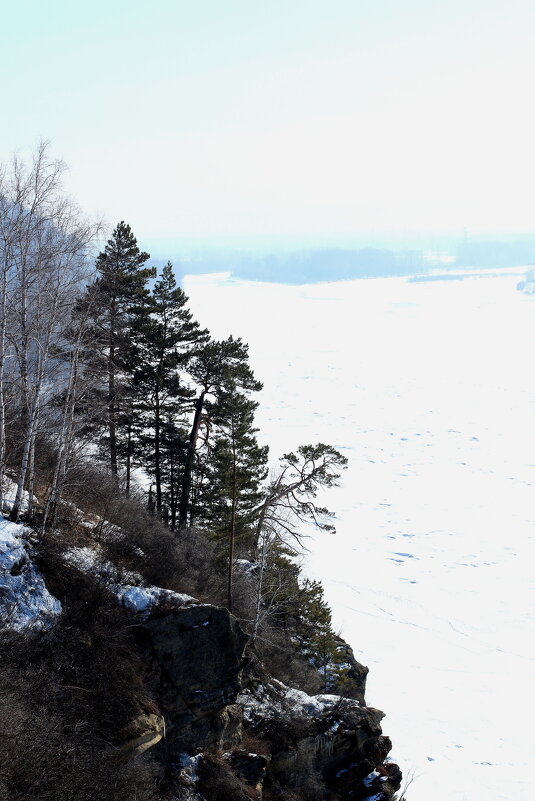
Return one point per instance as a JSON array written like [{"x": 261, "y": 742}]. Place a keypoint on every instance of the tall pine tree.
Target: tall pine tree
[
  {"x": 237, "y": 467},
  {"x": 120, "y": 293},
  {"x": 217, "y": 368},
  {"x": 164, "y": 336}
]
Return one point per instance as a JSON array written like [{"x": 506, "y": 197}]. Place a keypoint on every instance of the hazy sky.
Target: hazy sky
[{"x": 243, "y": 117}]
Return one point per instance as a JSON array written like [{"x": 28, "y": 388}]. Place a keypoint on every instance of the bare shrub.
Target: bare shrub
[
  {"x": 218, "y": 782},
  {"x": 53, "y": 746}
]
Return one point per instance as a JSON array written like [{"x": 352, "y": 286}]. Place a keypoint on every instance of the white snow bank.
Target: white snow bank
[
  {"x": 135, "y": 597},
  {"x": 25, "y": 603},
  {"x": 9, "y": 492},
  {"x": 277, "y": 698},
  {"x": 142, "y": 599}
]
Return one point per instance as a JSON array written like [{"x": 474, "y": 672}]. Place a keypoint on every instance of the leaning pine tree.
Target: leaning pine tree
[{"x": 216, "y": 368}]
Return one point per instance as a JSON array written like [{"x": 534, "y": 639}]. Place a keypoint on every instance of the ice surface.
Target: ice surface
[
  {"x": 429, "y": 390},
  {"x": 25, "y": 603}
]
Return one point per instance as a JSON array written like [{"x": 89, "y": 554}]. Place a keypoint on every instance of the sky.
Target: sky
[{"x": 284, "y": 118}]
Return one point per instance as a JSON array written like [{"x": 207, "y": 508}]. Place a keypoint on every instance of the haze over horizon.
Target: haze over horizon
[{"x": 340, "y": 120}]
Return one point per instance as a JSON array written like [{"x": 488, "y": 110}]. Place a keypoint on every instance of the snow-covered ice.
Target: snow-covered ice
[
  {"x": 429, "y": 390},
  {"x": 25, "y": 603}
]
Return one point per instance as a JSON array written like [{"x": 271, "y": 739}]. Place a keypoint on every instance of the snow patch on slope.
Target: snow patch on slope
[
  {"x": 25, "y": 603},
  {"x": 277, "y": 698},
  {"x": 135, "y": 597},
  {"x": 9, "y": 492}
]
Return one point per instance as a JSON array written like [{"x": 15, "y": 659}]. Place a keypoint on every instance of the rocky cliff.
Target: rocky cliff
[
  {"x": 217, "y": 724},
  {"x": 195, "y": 668}
]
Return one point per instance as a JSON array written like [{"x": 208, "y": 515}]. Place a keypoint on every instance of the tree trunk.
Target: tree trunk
[
  {"x": 15, "y": 511},
  {"x": 260, "y": 586},
  {"x": 128, "y": 457},
  {"x": 172, "y": 493},
  {"x": 232, "y": 533},
  {"x": 31, "y": 469},
  {"x": 188, "y": 467},
  {"x": 112, "y": 408},
  {"x": 157, "y": 455},
  {"x": 3, "y": 312}
]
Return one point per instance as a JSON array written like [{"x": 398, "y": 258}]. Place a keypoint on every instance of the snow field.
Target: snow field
[{"x": 429, "y": 390}]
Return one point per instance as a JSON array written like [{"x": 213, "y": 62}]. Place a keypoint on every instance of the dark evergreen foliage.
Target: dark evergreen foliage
[
  {"x": 117, "y": 296},
  {"x": 164, "y": 338}
]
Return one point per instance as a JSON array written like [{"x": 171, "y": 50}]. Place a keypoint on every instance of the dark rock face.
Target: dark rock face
[
  {"x": 356, "y": 672},
  {"x": 342, "y": 739},
  {"x": 194, "y": 656},
  {"x": 251, "y": 767}
]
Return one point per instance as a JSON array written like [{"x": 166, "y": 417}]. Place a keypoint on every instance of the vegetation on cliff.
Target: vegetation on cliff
[{"x": 127, "y": 435}]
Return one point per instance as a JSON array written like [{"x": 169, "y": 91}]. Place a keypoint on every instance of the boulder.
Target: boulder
[{"x": 149, "y": 730}]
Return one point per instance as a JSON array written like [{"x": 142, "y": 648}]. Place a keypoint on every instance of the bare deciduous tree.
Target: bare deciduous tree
[{"x": 45, "y": 242}]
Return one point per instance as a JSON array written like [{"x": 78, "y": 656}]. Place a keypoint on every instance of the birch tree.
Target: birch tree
[{"x": 45, "y": 249}]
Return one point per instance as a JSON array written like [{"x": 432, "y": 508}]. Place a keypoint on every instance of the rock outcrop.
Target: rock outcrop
[
  {"x": 194, "y": 657},
  {"x": 255, "y": 738},
  {"x": 339, "y": 738},
  {"x": 355, "y": 672}
]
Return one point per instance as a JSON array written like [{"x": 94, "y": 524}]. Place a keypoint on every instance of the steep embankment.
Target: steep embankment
[{"x": 164, "y": 679}]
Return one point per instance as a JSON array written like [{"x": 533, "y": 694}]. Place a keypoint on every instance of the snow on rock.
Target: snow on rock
[
  {"x": 189, "y": 766},
  {"x": 135, "y": 597},
  {"x": 25, "y": 603},
  {"x": 91, "y": 560},
  {"x": 142, "y": 599},
  {"x": 87, "y": 560},
  {"x": 277, "y": 698},
  {"x": 370, "y": 778}
]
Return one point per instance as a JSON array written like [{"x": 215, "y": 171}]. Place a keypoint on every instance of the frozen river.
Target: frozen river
[{"x": 429, "y": 389}]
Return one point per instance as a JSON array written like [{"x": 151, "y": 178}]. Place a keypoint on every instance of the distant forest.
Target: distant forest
[{"x": 339, "y": 264}]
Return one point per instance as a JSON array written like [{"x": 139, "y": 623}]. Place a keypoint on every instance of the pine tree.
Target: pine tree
[
  {"x": 164, "y": 336},
  {"x": 121, "y": 294},
  {"x": 319, "y": 642},
  {"x": 238, "y": 467},
  {"x": 216, "y": 368}
]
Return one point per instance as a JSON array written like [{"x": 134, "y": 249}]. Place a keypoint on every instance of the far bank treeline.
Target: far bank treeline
[{"x": 102, "y": 360}]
